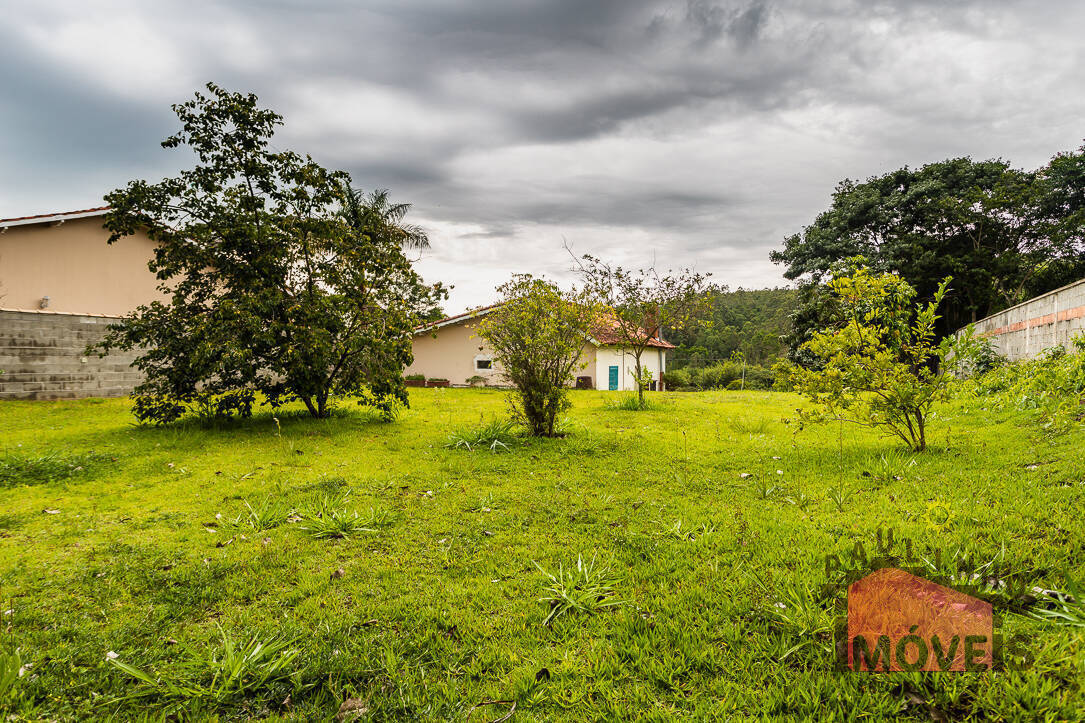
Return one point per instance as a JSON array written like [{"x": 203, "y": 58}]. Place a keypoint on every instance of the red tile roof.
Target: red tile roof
[{"x": 607, "y": 334}]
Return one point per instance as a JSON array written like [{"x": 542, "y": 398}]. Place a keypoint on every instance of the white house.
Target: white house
[{"x": 449, "y": 349}]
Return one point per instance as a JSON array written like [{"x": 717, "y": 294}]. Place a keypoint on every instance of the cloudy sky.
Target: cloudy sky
[{"x": 685, "y": 133}]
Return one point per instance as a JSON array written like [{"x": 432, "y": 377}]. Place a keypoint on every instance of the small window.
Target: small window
[{"x": 484, "y": 363}]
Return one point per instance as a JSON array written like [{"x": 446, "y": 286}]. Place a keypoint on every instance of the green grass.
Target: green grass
[{"x": 676, "y": 553}]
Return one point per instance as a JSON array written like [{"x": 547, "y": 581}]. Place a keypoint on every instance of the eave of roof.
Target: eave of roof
[
  {"x": 457, "y": 318},
  {"x": 598, "y": 337},
  {"x": 53, "y": 217}
]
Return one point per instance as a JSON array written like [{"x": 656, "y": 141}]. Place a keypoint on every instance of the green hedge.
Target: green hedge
[{"x": 726, "y": 375}]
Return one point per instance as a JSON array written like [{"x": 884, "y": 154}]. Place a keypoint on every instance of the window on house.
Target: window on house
[{"x": 484, "y": 363}]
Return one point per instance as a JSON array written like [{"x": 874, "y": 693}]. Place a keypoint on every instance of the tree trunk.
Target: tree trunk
[
  {"x": 640, "y": 387},
  {"x": 310, "y": 406}
]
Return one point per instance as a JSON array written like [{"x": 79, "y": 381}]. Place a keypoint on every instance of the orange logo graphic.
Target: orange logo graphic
[{"x": 900, "y": 622}]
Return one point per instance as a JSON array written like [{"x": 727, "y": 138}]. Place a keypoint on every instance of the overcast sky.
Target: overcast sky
[{"x": 688, "y": 133}]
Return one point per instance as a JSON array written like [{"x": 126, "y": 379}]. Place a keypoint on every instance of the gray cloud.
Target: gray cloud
[{"x": 696, "y": 131}]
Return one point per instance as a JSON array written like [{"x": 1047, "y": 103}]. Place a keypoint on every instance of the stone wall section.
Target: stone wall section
[
  {"x": 42, "y": 355},
  {"x": 1025, "y": 330}
]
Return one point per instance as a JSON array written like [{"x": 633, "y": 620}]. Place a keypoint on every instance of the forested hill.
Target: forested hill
[{"x": 750, "y": 321}]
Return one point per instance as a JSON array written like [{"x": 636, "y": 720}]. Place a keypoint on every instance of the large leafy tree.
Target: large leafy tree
[
  {"x": 1003, "y": 234},
  {"x": 538, "y": 334},
  {"x": 282, "y": 280}
]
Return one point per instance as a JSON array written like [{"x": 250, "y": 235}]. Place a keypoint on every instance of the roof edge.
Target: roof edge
[{"x": 54, "y": 217}]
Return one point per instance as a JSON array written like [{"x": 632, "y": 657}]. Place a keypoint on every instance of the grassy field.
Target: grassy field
[{"x": 208, "y": 561}]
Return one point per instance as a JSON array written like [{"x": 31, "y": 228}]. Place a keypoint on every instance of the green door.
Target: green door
[{"x": 613, "y": 379}]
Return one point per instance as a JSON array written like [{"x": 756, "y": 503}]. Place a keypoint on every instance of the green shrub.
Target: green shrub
[
  {"x": 415, "y": 377},
  {"x": 760, "y": 378},
  {"x": 676, "y": 378},
  {"x": 1051, "y": 385},
  {"x": 725, "y": 375}
]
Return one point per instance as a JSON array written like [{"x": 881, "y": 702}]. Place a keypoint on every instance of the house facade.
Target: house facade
[
  {"x": 451, "y": 349},
  {"x": 61, "y": 286},
  {"x": 62, "y": 263}
]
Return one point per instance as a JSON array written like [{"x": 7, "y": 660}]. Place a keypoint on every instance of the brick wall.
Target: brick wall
[
  {"x": 42, "y": 356},
  {"x": 1023, "y": 331}
]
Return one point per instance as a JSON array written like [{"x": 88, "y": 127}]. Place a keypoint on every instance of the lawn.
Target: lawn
[{"x": 704, "y": 522}]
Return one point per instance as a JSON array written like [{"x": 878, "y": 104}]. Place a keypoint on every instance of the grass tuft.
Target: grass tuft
[
  {"x": 331, "y": 520},
  {"x": 234, "y": 671},
  {"x": 269, "y": 514},
  {"x": 589, "y": 588},
  {"x": 498, "y": 435},
  {"x": 26, "y": 469},
  {"x": 631, "y": 403}
]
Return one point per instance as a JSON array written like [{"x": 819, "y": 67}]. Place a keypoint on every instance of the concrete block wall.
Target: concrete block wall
[
  {"x": 42, "y": 357},
  {"x": 1025, "y": 330}
]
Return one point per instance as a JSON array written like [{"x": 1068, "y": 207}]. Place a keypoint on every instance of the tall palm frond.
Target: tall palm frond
[{"x": 373, "y": 214}]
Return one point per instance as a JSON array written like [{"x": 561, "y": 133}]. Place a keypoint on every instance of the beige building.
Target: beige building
[
  {"x": 451, "y": 349},
  {"x": 62, "y": 263}
]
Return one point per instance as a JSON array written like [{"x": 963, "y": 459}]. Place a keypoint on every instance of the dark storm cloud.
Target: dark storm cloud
[
  {"x": 699, "y": 130},
  {"x": 54, "y": 124}
]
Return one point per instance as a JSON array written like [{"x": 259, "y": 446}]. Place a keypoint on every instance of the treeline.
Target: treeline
[
  {"x": 743, "y": 324},
  {"x": 1003, "y": 234}
]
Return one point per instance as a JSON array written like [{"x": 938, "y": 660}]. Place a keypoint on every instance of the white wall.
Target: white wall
[
  {"x": 652, "y": 359},
  {"x": 1025, "y": 330}
]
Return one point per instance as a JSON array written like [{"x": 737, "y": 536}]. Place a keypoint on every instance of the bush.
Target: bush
[
  {"x": 1052, "y": 385},
  {"x": 725, "y": 375},
  {"x": 675, "y": 378},
  {"x": 537, "y": 334},
  {"x": 415, "y": 377}
]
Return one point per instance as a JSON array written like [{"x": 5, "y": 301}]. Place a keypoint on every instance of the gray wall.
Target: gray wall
[
  {"x": 41, "y": 354},
  {"x": 1023, "y": 331}
]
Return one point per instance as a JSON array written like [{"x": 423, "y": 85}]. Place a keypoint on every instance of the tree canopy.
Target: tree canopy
[
  {"x": 282, "y": 279},
  {"x": 751, "y": 322},
  {"x": 1002, "y": 233}
]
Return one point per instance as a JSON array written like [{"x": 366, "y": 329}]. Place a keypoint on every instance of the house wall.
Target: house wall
[
  {"x": 449, "y": 353},
  {"x": 652, "y": 359},
  {"x": 587, "y": 365},
  {"x": 1052, "y": 319},
  {"x": 72, "y": 264},
  {"x": 42, "y": 355}
]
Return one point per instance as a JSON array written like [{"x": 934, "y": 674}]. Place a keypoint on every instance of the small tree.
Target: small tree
[
  {"x": 878, "y": 364},
  {"x": 538, "y": 334},
  {"x": 639, "y": 303},
  {"x": 282, "y": 280}
]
